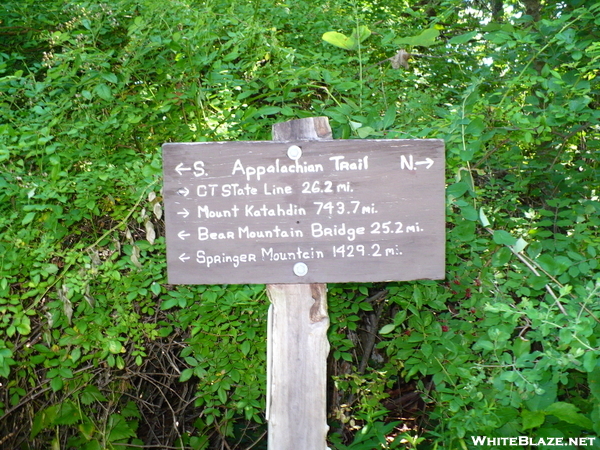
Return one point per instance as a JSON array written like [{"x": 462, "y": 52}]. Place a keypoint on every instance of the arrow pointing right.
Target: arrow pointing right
[
  {"x": 183, "y": 191},
  {"x": 184, "y": 213},
  {"x": 428, "y": 161}
]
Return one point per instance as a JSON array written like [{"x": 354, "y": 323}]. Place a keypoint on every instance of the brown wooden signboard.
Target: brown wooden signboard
[{"x": 304, "y": 212}]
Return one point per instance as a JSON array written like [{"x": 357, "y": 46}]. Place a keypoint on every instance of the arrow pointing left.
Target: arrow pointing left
[
  {"x": 180, "y": 169},
  {"x": 182, "y": 235},
  {"x": 184, "y": 258}
]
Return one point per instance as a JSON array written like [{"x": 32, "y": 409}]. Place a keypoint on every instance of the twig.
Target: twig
[
  {"x": 589, "y": 312},
  {"x": 257, "y": 441},
  {"x": 537, "y": 274},
  {"x": 370, "y": 343}
]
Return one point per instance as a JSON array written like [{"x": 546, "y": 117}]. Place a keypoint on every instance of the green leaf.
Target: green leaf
[
  {"x": 554, "y": 265},
  {"x": 387, "y": 329},
  {"x": 28, "y": 218},
  {"x": 340, "y": 40},
  {"x": 594, "y": 383},
  {"x": 43, "y": 419},
  {"x": 426, "y": 350},
  {"x": 110, "y": 77},
  {"x": 155, "y": 288},
  {"x": 222, "y": 394},
  {"x": 235, "y": 376},
  {"x": 56, "y": 384},
  {"x": 475, "y": 127},
  {"x": 568, "y": 412},
  {"x": 532, "y": 419},
  {"x": 24, "y": 325},
  {"x": 363, "y": 132},
  {"x": 267, "y": 111},
  {"x": 131, "y": 410},
  {"x": 365, "y": 306},
  {"x": 120, "y": 428},
  {"x": 501, "y": 257},
  {"x": 457, "y": 190},
  {"x": 595, "y": 415},
  {"x": 91, "y": 394},
  {"x": 65, "y": 372},
  {"x": 520, "y": 245},
  {"x": 168, "y": 304},
  {"x": 245, "y": 347},
  {"x": 347, "y": 43},
  {"x": 50, "y": 268},
  {"x": 69, "y": 414},
  {"x": 114, "y": 346},
  {"x": 355, "y": 125},
  {"x": 590, "y": 361},
  {"x": 424, "y": 39},
  {"x": 361, "y": 33},
  {"x": 463, "y": 38},
  {"x": 390, "y": 117},
  {"x": 186, "y": 374},
  {"x": 4, "y": 154},
  {"x": 87, "y": 430},
  {"x": 468, "y": 212},
  {"x": 521, "y": 347},
  {"x": 483, "y": 344},
  {"x": 465, "y": 231},
  {"x": 103, "y": 91},
  {"x": 547, "y": 396},
  {"x": 504, "y": 238},
  {"x": 191, "y": 361}
]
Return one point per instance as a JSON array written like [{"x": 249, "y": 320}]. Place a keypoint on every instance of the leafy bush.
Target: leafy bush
[{"x": 98, "y": 351}]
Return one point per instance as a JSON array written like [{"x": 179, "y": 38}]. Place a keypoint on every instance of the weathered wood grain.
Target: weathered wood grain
[
  {"x": 297, "y": 344},
  {"x": 371, "y": 210}
]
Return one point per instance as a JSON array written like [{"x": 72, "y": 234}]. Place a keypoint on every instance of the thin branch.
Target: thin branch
[{"x": 536, "y": 273}]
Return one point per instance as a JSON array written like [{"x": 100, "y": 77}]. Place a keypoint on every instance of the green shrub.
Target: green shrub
[{"x": 98, "y": 351}]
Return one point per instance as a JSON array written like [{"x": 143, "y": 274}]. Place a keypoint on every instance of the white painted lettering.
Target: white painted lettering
[
  {"x": 205, "y": 235},
  {"x": 268, "y": 254},
  {"x": 205, "y": 212},
  {"x": 258, "y": 172},
  {"x": 223, "y": 258},
  {"x": 318, "y": 231},
  {"x": 276, "y": 232},
  {"x": 199, "y": 169},
  {"x": 278, "y": 211},
  {"x": 276, "y": 190},
  {"x": 358, "y": 164}
]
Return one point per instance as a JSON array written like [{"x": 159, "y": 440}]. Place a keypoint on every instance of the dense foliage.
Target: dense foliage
[{"x": 97, "y": 351}]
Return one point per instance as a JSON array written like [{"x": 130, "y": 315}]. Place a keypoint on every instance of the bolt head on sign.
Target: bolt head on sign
[{"x": 304, "y": 212}]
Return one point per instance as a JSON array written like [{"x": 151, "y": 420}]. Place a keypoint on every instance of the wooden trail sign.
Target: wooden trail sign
[
  {"x": 304, "y": 211},
  {"x": 295, "y": 213}
]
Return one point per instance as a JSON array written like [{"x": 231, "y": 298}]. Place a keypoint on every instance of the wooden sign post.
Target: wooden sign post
[
  {"x": 297, "y": 345},
  {"x": 295, "y": 213}
]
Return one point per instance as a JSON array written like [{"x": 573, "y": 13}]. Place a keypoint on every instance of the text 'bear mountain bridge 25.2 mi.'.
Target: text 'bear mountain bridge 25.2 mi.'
[{"x": 342, "y": 211}]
